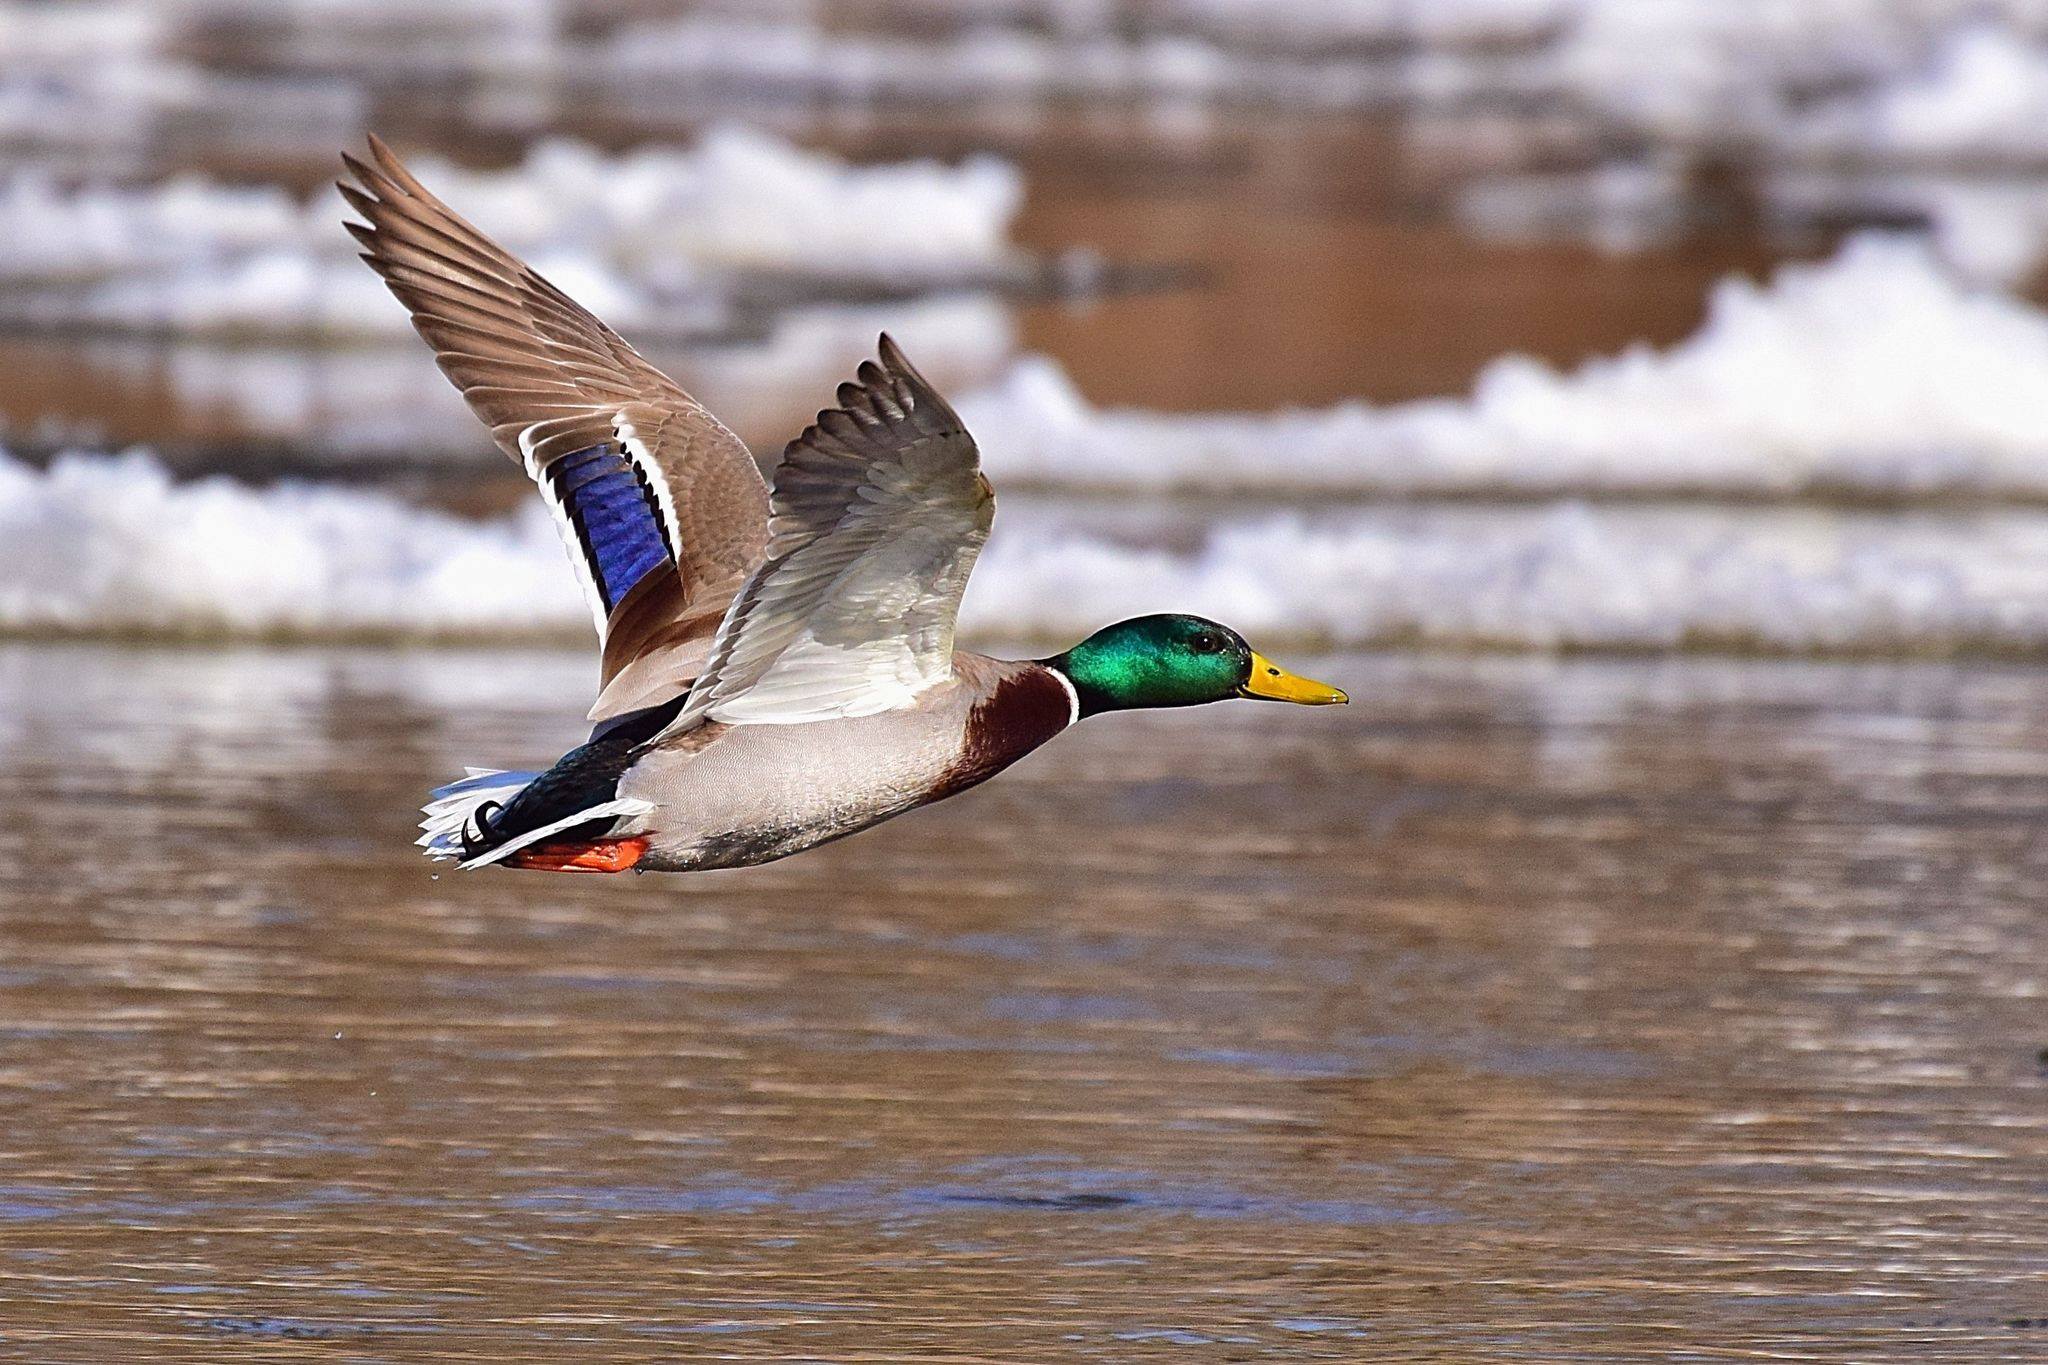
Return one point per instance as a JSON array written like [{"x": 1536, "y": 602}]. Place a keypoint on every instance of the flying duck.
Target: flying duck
[{"x": 777, "y": 662}]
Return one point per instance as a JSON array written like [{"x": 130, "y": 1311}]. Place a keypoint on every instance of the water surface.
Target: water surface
[{"x": 1525, "y": 1010}]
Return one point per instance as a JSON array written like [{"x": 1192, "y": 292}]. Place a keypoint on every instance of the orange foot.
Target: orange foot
[{"x": 604, "y": 855}]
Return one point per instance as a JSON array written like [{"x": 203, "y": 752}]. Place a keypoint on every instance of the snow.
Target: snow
[
  {"x": 1982, "y": 95},
  {"x": 392, "y": 400},
  {"x": 111, "y": 545},
  {"x": 1567, "y": 576},
  {"x": 1848, "y": 86},
  {"x": 1875, "y": 373},
  {"x": 651, "y": 239},
  {"x": 1687, "y": 69}
]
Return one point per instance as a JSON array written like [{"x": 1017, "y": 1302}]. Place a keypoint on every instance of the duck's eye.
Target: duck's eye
[{"x": 1207, "y": 643}]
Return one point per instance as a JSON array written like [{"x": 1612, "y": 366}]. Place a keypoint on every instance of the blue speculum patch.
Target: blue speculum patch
[{"x": 615, "y": 516}]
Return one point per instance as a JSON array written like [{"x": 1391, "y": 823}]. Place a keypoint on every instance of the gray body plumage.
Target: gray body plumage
[{"x": 733, "y": 796}]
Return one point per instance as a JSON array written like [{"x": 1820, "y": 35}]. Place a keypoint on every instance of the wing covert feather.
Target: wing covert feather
[{"x": 878, "y": 512}]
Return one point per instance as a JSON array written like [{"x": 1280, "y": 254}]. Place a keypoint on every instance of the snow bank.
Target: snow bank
[
  {"x": 373, "y": 401},
  {"x": 1863, "y": 84},
  {"x": 1369, "y": 23},
  {"x": 652, "y": 239},
  {"x": 746, "y": 200},
  {"x": 1981, "y": 95},
  {"x": 1988, "y": 229},
  {"x": 1933, "y": 110},
  {"x": 703, "y": 53},
  {"x": 1567, "y": 576},
  {"x": 90, "y": 79},
  {"x": 1875, "y": 373},
  {"x": 1677, "y": 69},
  {"x": 110, "y": 545}
]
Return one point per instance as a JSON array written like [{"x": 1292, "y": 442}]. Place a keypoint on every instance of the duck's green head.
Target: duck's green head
[{"x": 1178, "y": 661}]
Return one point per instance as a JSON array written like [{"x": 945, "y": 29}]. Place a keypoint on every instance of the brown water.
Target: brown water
[{"x": 1525, "y": 1010}]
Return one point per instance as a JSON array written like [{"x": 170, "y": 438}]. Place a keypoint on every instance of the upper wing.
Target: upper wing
[
  {"x": 662, "y": 508},
  {"x": 878, "y": 513}
]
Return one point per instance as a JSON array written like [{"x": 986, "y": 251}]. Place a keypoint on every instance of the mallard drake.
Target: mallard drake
[{"x": 777, "y": 663}]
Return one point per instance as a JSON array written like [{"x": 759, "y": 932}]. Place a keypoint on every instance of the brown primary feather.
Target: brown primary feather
[{"x": 524, "y": 353}]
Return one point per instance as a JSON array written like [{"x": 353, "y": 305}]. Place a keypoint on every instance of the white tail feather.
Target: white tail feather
[
  {"x": 454, "y": 806},
  {"x": 453, "y": 810}
]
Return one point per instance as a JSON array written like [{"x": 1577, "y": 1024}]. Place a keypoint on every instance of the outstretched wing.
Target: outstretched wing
[
  {"x": 662, "y": 509},
  {"x": 877, "y": 515}
]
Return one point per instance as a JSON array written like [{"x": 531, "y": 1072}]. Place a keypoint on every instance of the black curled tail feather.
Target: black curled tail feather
[{"x": 486, "y": 836}]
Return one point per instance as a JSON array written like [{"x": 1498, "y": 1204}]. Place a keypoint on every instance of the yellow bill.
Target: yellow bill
[{"x": 1270, "y": 682}]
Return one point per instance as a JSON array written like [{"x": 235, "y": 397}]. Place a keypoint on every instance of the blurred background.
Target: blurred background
[
  {"x": 1530, "y": 323},
  {"x": 1640, "y": 406}
]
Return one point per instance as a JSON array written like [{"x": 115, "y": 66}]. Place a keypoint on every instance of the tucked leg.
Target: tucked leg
[{"x": 600, "y": 855}]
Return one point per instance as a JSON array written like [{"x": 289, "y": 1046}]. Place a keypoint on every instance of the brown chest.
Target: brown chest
[{"x": 1023, "y": 711}]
